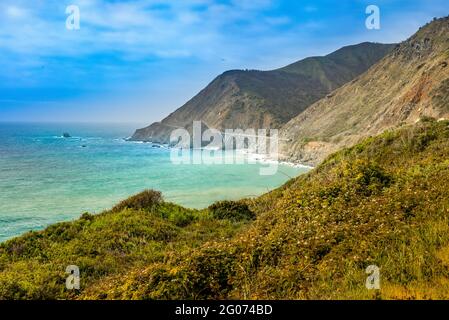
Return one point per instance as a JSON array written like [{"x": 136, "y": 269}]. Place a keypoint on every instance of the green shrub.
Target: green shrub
[
  {"x": 86, "y": 216},
  {"x": 178, "y": 215},
  {"x": 148, "y": 199},
  {"x": 370, "y": 176},
  {"x": 231, "y": 210},
  {"x": 422, "y": 141},
  {"x": 427, "y": 119}
]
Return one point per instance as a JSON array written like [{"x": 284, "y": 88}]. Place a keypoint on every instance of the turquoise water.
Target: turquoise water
[{"x": 45, "y": 178}]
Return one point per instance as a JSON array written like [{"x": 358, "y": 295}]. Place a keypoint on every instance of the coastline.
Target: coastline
[
  {"x": 252, "y": 157},
  {"x": 71, "y": 180}
]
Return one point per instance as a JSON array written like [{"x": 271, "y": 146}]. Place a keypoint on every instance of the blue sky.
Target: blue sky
[{"x": 139, "y": 60}]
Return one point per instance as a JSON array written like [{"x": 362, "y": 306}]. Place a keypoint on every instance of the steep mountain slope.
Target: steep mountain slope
[
  {"x": 409, "y": 83},
  {"x": 267, "y": 99},
  {"x": 382, "y": 202}
]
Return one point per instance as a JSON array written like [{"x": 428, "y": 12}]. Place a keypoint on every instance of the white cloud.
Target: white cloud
[
  {"x": 131, "y": 27},
  {"x": 15, "y": 12}
]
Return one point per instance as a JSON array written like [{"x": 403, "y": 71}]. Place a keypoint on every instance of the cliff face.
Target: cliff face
[
  {"x": 267, "y": 99},
  {"x": 410, "y": 83}
]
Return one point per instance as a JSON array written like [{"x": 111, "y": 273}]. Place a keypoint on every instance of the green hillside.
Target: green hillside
[
  {"x": 340, "y": 66},
  {"x": 382, "y": 202}
]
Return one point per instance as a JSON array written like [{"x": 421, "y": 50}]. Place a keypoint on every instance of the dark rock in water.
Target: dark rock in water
[
  {"x": 156, "y": 146},
  {"x": 66, "y": 135},
  {"x": 83, "y": 146}
]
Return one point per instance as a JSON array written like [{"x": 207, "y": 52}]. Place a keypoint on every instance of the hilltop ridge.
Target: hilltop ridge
[
  {"x": 410, "y": 83},
  {"x": 239, "y": 99}
]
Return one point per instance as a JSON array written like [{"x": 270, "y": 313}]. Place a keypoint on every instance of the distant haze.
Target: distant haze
[{"x": 137, "y": 61}]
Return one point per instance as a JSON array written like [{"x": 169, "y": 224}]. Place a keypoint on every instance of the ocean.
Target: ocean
[{"x": 45, "y": 178}]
